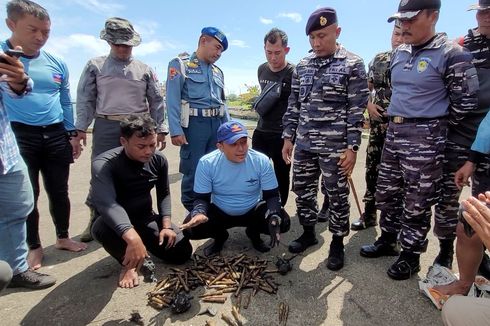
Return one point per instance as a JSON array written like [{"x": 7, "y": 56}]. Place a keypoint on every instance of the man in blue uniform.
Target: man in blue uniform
[
  {"x": 196, "y": 104},
  {"x": 329, "y": 93},
  {"x": 235, "y": 186},
  {"x": 433, "y": 82},
  {"x": 45, "y": 131}
]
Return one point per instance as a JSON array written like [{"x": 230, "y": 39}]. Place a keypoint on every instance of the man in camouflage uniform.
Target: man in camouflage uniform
[
  {"x": 324, "y": 119},
  {"x": 433, "y": 80},
  {"x": 470, "y": 250},
  {"x": 379, "y": 82},
  {"x": 459, "y": 141}
]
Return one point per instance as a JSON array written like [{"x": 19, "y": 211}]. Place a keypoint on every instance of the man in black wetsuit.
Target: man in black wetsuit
[{"x": 127, "y": 226}]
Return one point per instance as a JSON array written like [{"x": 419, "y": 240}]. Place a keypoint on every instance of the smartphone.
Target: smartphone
[
  {"x": 12, "y": 53},
  {"x": 468, "y": 230}
]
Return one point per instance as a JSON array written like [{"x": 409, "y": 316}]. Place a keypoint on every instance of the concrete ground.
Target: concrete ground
[{"x": 86, "y": 292}]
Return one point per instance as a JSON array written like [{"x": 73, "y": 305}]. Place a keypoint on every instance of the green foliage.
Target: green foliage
[
  {"x": 244, "y": 100},
  {"x": 232, "y": 98}
]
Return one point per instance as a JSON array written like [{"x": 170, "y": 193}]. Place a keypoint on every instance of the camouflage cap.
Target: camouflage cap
[
  {"x": 120, "y": 31},
  {"x": 481, "y": 5},
  {"x": 408, "y": 9}
]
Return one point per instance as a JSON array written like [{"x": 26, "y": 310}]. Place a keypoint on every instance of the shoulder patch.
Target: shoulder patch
[{"x": 172, "y": 72}]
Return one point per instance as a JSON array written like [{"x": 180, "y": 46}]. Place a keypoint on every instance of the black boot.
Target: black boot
[
  {"x": 335, "y": 259},
  {"x": 217, "y": 245},
  {"x": 307, "y": 239},
  {"x": 257, "y": 242},
  {"x": 446, "y": 253},
  {"x": 386, "y": 245},
  {"x": 407, "y": 265},
  {"x": 365, "y": 221}
]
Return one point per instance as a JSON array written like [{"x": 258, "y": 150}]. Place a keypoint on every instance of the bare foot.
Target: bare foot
[
  {"x": 35, "y": 258},
  {"x": 457, "y": 287},
  {"x": 128, "y": 278},
  {"x": 70, "y": 245}
]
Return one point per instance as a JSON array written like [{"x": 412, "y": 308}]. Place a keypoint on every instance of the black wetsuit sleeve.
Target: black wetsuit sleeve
[
  {"x": 164, "y": 200},
  {"x": 201, "y": 204},
  {"x": 104, "y": 197},
  {"x": 273, "y": 200}
]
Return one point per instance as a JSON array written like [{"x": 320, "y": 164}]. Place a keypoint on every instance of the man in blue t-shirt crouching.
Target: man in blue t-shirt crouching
[{"x": 235, "y": 186}]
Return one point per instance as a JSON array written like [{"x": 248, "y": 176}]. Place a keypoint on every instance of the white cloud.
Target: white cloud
[
  {"x": 294, "y": 16},
  {"x": 89, "y": 44},
  {"x": 148, "y": 48},
  {"x": 266, "y": 21},
  {"x": 146, "y": 28},
  {"x": 103, "y": 7},
  {"x": 239, "y": 43}
]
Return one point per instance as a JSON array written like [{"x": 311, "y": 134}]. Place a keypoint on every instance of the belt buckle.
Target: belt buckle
[
  {"x": 205, "y": 113},
  {"x": 398, "y": 119}
]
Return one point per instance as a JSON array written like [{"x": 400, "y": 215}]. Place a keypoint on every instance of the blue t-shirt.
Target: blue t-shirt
[
  {"x": 50, "y": 100},
  {"x": 235, "y": 188},
  {"x": 482, "y": 140}
]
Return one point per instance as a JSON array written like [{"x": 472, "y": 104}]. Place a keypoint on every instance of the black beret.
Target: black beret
[{"x": 321, "y": 18}]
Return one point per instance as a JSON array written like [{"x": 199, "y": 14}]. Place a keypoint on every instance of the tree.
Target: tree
[
  {"x": 232, "y": 98},
  {"x": 249, "y": 97}
]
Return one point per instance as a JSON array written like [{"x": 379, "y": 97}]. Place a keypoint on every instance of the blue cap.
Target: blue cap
[
  {"x": 321, "y": 18},
  {"x": 229, "y": 132},
  {"x": 217, "y": 34}
]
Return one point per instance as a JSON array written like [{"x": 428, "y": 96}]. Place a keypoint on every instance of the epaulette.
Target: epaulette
[
  {"x": 183, "y": 56},
  {"x": 218, "y": 68}
]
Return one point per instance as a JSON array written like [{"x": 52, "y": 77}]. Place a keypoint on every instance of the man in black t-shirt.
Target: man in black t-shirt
[
  {"x": 122, "y": 180},
  {"x": 267, "y": 137}
]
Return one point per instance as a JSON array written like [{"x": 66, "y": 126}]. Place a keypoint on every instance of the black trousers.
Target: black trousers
[
  {"x": 149, "y": 231},
  {"x": 271, "y": 145},
  {"x": 254, "y": 220},
  {"x": 46, "y": 150}
]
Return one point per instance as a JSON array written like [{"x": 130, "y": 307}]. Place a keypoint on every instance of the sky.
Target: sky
[{"x": 171, "y": 27}]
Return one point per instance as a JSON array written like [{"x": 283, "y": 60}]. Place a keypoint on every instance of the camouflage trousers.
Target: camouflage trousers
[
  {"x": 307, "y": 168},
  {"x": 446, "y": 209},
  {"x": 408, "y": 181},
  {"x": 377, "y": 135},
  {"x": 481, "y": 177}
]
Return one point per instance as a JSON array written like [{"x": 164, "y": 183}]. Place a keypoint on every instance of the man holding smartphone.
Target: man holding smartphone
[
  {"x": 43, "y": 132},
  {"x": 16, "y": 197}
]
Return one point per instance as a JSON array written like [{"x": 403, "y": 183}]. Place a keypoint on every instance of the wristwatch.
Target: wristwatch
[
  {"x": 72, "y": 133},
  {"x": 354, "y": 148}
]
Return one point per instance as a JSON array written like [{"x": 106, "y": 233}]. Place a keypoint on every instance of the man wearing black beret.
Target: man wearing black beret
[{"x": 324, "y": 119}]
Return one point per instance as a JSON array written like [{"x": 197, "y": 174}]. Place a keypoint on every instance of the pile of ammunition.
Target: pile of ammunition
[{"x": 220, "y": 276}]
